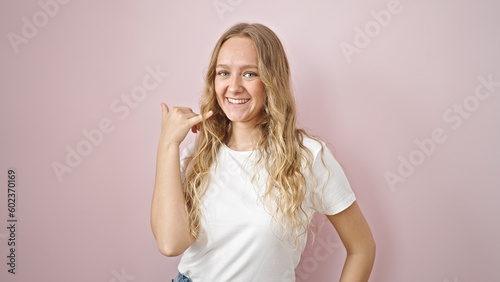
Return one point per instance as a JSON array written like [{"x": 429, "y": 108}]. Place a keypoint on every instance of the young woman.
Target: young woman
[{"x": 237, "y": 204}]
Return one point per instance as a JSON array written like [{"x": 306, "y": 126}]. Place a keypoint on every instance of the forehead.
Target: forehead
[{"x": 236, "y": 50}]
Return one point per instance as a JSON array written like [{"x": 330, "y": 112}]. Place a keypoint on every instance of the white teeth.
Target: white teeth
[{"x": 238, "y": 101}]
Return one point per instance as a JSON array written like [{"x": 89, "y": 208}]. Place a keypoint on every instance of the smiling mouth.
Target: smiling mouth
[{"x": 237, "y": 101}]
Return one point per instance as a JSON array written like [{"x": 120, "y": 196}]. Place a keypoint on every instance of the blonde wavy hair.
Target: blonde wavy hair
[{"x": 280, "y": 140}]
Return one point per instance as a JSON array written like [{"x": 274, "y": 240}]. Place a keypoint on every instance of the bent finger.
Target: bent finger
[
  {"x": 194, "y": 129},
  {"x": 199, "y": 118},
  {"x": 209, "y": 114}
]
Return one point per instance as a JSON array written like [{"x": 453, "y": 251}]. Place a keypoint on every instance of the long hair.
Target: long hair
[{"x": 280, "y": 140}]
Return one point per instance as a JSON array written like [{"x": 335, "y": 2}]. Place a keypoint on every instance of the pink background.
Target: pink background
[{"x": 372, "y": 106}]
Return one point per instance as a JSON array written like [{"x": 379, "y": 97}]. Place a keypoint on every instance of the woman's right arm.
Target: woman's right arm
[{"x": 169, "y": 220}]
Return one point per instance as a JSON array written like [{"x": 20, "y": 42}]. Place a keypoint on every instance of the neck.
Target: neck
[{"x": 244, "y": 137}]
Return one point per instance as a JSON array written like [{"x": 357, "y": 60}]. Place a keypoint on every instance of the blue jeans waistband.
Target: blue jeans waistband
[{"x": 181, "y": 278}]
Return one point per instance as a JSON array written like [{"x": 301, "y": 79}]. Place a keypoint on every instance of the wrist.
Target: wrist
[
  {"x": 166, "y": 140},
  {"x": 167, "y": 145}
]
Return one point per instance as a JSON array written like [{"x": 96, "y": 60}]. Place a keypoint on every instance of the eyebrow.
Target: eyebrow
[{"x": 241, "y": 67}]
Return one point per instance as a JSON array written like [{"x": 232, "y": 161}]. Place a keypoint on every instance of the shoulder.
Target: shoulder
[
  {"x": 190, "y": 147},
  {"x": 315, "y": 146},
  {"x": 322, "y": 157},
  {"x": 188, "y": 150}
]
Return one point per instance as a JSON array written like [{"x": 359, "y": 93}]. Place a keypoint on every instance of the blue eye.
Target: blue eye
[
  {"x": 223, "y": 73},
  {"x": 250, "y": 74}
]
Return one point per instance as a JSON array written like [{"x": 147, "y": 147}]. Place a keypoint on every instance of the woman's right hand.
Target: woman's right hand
[{"x": 176, "y": 123}]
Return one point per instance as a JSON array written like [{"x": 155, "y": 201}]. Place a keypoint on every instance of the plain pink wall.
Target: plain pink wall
[{"x": 372, "y": 89}]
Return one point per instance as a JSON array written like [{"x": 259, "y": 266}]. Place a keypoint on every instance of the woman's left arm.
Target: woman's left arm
[{"x": 358, "y": 240}]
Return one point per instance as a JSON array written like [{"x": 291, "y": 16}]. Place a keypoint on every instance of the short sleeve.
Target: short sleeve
[
  {"x": 333, "y": 192},
  {"x": 186, "y": 153}
]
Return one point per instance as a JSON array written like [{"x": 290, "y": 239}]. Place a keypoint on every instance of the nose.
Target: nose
[{"x": 235, "y": 85}]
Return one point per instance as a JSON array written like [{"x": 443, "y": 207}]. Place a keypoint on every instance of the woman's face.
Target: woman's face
[{"x": 240, "y": 91}]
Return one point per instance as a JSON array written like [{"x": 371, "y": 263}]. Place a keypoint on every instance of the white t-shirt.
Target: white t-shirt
[{"x": 237, "y": 242}]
